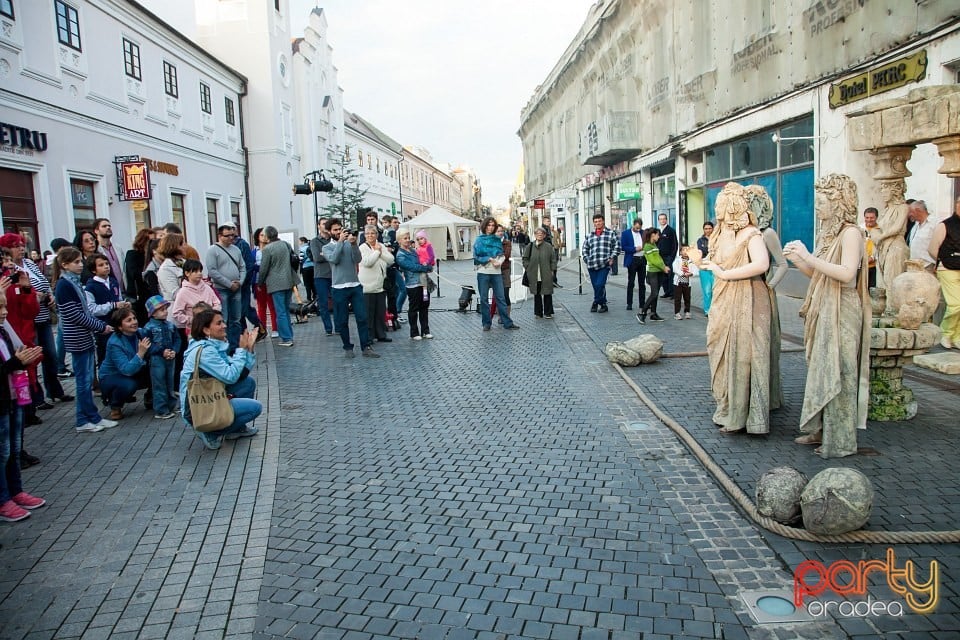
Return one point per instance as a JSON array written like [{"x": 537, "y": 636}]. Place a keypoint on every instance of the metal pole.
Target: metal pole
[
  {"x": 438, "y": 278},
  {"x": 580, "y": 276}
]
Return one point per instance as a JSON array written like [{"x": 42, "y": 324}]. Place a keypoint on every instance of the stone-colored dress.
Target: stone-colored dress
[
  {"x": 836, "y": 336},
  {"x": 738, "y": 343}
]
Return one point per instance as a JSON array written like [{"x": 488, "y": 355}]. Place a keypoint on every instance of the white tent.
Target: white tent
[{"x": 450, "y": 235}]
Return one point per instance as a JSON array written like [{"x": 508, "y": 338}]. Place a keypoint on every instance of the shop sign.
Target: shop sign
[
  {"x": 880, "y": 79},
  {"x": 628, "y": 191},
  {"x": 134, "y": 180},
  {"x": 539, "y": 204},
  {"x": 162, "y": 167},
  {"x": 20, "y": 140},
  {"x": 139, "y": 205}
]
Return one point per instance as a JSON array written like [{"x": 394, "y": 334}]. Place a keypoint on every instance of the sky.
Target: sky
[{"x": 450, "y": 76}]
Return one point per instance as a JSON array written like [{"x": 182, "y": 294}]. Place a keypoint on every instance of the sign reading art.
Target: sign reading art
[
  {"x": 880, "y": 79},
  {"x": 134, "y": 180}
]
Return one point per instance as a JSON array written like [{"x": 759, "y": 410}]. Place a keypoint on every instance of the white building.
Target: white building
[
  {"x": 376, "y": 158},
  {"x": 651, "y": 111},
  {"x": 85, "y": 82}
]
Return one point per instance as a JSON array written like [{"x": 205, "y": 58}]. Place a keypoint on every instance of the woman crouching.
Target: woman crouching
[{"x": 209, "y": 333}]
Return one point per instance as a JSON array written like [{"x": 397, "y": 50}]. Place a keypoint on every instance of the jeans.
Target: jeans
[
  {"x": 45, "y": 341},
  {"x": 231, "y": 308},
  {"x": 162, "y": 382},
  {"x": 484, "y": 282},
  {"x": 307, "y": 277},
  {"x": 245, "y": 408},
  {"x": 654, "y": 280},
  {"x": 11, "y": 442},
  {"x": 322, "y": 285},
  {"x": 637, "y": 271},
  {"x": 281, "y": 303},
  {"x": 247, "y": 312},
  {"x": 341, "y": 298},
  {"x": 419, "y": 312},
  {"x": 401, "y": 292},
  {"x": 118, "y": 389},
  {"x": 61, "y": 350},
  {"x": 706, "y": 283},
  {"x": 83, "y": 370},
  {"x": 598, "y": 279}
]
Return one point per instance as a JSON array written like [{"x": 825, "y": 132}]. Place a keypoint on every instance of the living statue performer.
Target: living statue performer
[
  {"x": 762, "y": 207},
  {"x": 888, "y": 236},
  {"x": 738, "y": 329},
  {"x": 836, "y": 332}
]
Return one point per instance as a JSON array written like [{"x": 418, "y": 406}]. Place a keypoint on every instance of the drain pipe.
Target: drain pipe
[{"x": 246, "y": 159}]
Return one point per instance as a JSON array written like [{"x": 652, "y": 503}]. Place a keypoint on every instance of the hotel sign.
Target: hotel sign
[
  {"x": 880, "y": 79},
  {"x": 134, "y": 180}
]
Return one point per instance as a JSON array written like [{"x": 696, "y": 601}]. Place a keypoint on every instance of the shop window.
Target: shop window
[
  {"x": 796, "y": 206},
  {"x": 205, "y": 104},
  {"x": 83, "y": 197},
  {"x": 131, "y": 59},
  {"x": 68, "y": 25},
  {"x": 178, "y": 212},
  {"x": 755, "y": 154},
  {"x": 170, "y": 80},
  {"x": 228, "y": 110},
  {"x": 212, "y": 223},
  {"x": 717, "y": 163},
  {"x": 794, "y": 152},
  {"x": 664, "y": 199},
  {"x": 6, "y": 8}
]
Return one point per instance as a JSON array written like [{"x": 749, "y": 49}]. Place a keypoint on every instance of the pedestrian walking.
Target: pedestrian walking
[
  {"x": 656, "y": 271},
  {"x": 600, "y": 249},
  {"x": 539, "y": 266}
]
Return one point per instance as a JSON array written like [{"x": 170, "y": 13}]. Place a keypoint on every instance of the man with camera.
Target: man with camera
[{"x": 343, "y": 254}]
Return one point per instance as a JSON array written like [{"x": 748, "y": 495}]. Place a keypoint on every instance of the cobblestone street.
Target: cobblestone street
[{"x": 480, "y": 485}]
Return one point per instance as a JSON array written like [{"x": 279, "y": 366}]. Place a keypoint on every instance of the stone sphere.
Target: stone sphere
[
  {"x": 836, "y": 500},
  {"x": 778, "y": 494}
]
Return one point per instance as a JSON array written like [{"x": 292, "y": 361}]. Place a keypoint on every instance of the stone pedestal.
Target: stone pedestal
[{"x": 891, "y": 348}]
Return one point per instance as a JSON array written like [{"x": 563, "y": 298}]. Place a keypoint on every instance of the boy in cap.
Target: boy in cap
[{"x": 164, "y": 346}]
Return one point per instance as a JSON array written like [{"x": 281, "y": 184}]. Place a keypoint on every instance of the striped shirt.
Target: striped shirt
[
  {"x": 41, "y": 285},
  {"x": 79, "y": 325}
]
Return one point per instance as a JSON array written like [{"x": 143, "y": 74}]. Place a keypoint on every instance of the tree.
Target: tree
[{"x": 346, "y": 199}]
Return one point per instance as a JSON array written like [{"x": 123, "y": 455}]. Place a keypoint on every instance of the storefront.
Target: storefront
[{"x": 626, "y": 203}]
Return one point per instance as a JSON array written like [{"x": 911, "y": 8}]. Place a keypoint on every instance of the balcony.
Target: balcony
[{"x": 611, "y": 139}]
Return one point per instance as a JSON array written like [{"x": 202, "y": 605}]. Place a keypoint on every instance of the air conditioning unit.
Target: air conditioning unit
[{"x": 695, "y": 173}]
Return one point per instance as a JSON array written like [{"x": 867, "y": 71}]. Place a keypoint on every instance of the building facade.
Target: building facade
[
  {"x": 471, "y": 193},
  {"x": 634, "y": 121},
  {"x": 376, "y": 158},
  {"x": 87, "y": 84},
  {"x": 424, "y": 184}
]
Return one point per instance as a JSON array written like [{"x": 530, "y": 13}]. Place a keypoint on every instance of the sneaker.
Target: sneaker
[
  {"x": 349, "y": 353},
  {"x": 10, "y": 511},
  {"x": 65, "y": 397},
  {"x": 370, "y": 353},
  {"x": 642, "y": 318},
  {"x": 274, "y": 334},
  {"x": 654, "y": 317},
  {"x": 209, "y": 440},
  {"x": 416, "y": 338},
  {"x": 686, "y": 316},
  {"x": 43, "y": 406},
  {"x": 165, "y": 416},
  {"x": 107, "y": 423},
  {"x": 91, "y": 428},
  {"x": 116, "y": 414},
  {"x": 603, "y": 308},
  {"x": 513, "y": 326},
  {"x": 594, "y": 307},
  {"x": 285, "y": 343},
  {"x": 549, "y": 316},
  {"x": 26, "y": 501},
  {"x": 677, "y": 316},
  {"x": 428, "y": 336},
  {"x": 65, "y": 374},
  {"x": 246, "y": 432}
]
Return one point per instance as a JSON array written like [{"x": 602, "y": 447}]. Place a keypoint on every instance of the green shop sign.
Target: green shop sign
[{"x": 628, "y": 191}]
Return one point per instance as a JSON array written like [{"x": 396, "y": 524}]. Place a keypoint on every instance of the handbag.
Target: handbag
[
  {"x": 525, "y": 280},
  {"x": 210, "y": 408},
  {"x": 431, "y": 285}
]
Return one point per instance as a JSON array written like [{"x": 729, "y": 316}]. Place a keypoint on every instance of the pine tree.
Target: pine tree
[{"x": 346, "y": 199}]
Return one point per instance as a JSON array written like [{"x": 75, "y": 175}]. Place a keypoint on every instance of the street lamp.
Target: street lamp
[{"x": 313, "y": 182}]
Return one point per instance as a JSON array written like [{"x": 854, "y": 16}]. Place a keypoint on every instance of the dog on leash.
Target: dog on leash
[{"x": 300, "y": 310}]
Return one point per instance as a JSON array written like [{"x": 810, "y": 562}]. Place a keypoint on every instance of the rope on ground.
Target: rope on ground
[{"x": 748, "y": 506}]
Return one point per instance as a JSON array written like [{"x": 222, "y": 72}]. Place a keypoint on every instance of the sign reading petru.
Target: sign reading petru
[
  {"x": 134, "y": 180},
  {"x": 879, "y": 79}
]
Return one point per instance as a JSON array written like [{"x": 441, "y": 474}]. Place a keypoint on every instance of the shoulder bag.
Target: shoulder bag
[{"x": 210, "y": 408}]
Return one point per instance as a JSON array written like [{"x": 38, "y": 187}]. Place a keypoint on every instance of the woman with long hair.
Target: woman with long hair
[
  {"x": 656, "y": 272},
  {"x": 170, "y": 272},
  {"x": 133, "y": 264},
  {"x": 86, "y": 241}
]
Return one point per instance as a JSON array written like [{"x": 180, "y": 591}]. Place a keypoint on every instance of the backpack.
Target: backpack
[{"x": 294, "y": 259}]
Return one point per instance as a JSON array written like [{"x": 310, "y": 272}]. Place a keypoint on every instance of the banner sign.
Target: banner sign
[{"x": 134, "y": 180}]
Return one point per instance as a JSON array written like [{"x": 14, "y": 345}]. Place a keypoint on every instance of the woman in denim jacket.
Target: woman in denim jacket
[{"x": 418, "y": 313}]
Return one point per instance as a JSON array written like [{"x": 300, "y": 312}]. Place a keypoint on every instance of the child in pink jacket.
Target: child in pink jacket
[{"x": 193, "y": 290}]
